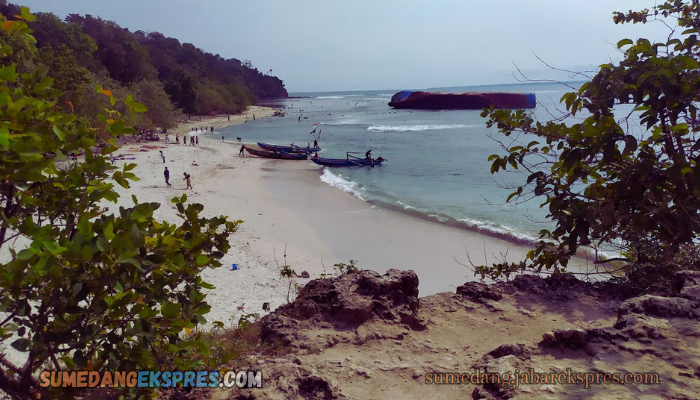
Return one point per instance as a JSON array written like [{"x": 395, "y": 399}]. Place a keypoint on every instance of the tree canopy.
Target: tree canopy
[
  {"x": 82, "y": 287},
  {"x": 85, "y": 50},
  {"x": 604, "y": 183}
]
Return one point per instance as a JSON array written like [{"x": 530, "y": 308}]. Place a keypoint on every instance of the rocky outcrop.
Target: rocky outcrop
[
  {"x": 288, "y": 380},
  {"x": 345, "y": 303},
  {"x": 558, "y": 286},
  {"x": 653, "y": 334},
  {"x": 363, "y": 335}
]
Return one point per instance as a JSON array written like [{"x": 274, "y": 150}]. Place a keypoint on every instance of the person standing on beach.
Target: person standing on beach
[
  {"x": 196, "y": 140},
  {"x": 240, "y": 153},
  {"x": 177, "y": 138},
  {"x": 166, "y": 174},
  {"x": 162, "y": 156},
  {"x": 229, "y": 117},
  {"x": 167, "y": 139},
  {"x": 191, "y": 140},
  {"x": 188, "y": 179}
]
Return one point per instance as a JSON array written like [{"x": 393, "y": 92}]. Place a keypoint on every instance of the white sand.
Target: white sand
[
  {"x": 227, "y": 184},
  {"x": 284, "y": 203}
]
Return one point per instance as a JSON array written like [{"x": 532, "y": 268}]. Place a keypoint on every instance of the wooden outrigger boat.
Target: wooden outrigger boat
[
  {"x": 349, "y": 161},
  {"x": 288, "y": 149},
  {"x": 277, "y": 154}
]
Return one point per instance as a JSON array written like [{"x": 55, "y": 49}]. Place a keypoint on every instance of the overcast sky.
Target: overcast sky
[{"x": 325, "y": 45}]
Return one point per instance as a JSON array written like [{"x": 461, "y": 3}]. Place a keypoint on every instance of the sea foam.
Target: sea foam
[
  {"x": 345, "y": 185},
  {"x": 415, "y": 128}
]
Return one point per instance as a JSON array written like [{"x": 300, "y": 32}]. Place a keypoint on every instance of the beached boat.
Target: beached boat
[
  {"x": 288, "y": 149},
  {"x": 461, "y": 101},
  {"x": 350, "y": 161},
  {"x": 282, "y": 155}
]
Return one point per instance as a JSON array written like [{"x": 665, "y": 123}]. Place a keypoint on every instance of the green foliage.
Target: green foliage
[
  {"x": 118, "y": 50},
  {"x": 161, "y": 72},
  {"x": 344, "y": 269},
  {"x": 197, "y": 82},
  {"x": 85, "y": 288},
  {"x": 286, "y": 272},
  {"x": 161, "y": 112},
  {"x": 17, "y": 49},
  {"x": 603, "y": 183}
]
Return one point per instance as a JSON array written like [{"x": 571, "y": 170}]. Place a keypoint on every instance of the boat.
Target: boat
[
  {"x": 289, "y": 149},
  {"x": 349, "y": 161},
  {"x": 461, "y": 101},
  {"x": 282, "y": 155}
]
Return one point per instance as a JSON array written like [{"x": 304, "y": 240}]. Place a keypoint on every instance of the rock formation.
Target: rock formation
[{"x": 365, "y": 335}]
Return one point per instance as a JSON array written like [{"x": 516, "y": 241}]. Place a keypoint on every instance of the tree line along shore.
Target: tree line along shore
[{"x": 172, "y": 79}]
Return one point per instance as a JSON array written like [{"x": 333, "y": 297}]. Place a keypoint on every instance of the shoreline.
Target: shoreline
[
  {"x": 380, "y": 238},
  {"x": 288, "y": 210}
]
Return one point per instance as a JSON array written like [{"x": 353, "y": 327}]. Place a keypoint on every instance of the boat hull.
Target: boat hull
[
  {"x": 280, "y": 155},
  {"x": 288, "y": 149},
  {"x": 461, "y": 101},
  {"x": 342, "y": 162}
]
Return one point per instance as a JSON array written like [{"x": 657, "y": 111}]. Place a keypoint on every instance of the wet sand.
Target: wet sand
[{"x": 381, "y": 239}]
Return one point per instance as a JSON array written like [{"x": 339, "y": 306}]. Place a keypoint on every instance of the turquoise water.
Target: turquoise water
[{"x": 437, "y": 164}]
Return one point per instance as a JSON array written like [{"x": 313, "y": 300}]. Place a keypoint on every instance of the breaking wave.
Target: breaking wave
[
  {"x": 415, "y": 128},
  {"x": 343, "y": 184}
]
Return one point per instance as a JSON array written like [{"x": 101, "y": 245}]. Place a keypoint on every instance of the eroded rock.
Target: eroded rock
[
  {"x": 346, "y": 302},
  {"x": 652, "y": 334}
]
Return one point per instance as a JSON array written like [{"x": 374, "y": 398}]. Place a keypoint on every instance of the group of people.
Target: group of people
[
  {"x": 194, "y": 140},
  {"x": 187, "y": 178}
]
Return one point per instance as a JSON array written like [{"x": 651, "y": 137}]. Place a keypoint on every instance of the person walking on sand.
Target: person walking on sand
[
  {"x": 188, "y": 180},
  {"x": 177, "y": 138},
  {"x": 191, "y": 140},
  {"x": 166, "y": 174},
  {"x": 240, "y": 153},
  {"x": 167, "y": 139},
  {"x": 162, "y": 156},
  {"x": 196, "y": 140}
]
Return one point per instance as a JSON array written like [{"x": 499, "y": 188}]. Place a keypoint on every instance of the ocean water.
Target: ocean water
[{"x": 437, "y": 166}]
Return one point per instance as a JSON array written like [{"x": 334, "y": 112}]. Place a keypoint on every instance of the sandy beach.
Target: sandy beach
[
  {"x": 284, "y": 205},
  {"x": 227, "y": 184}
]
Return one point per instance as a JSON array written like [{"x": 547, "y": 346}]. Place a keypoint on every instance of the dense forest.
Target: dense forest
[{"x": 169, "y": 77}]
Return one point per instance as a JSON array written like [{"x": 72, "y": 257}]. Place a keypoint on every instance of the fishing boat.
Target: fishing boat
[
  {"x": 288, "y": 149},
  {"x": 282, "y": 155},
  {"x": 349, "y": 161}
]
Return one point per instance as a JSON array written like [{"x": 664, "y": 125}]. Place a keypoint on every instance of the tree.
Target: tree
[
  {"x": 160, "y": 112},
  {"x": 85, "y": 287},
  {"x": 118, "y": 50},
  {"x": 50, "y": 31},
  {"x": 605, "y": 184}
]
